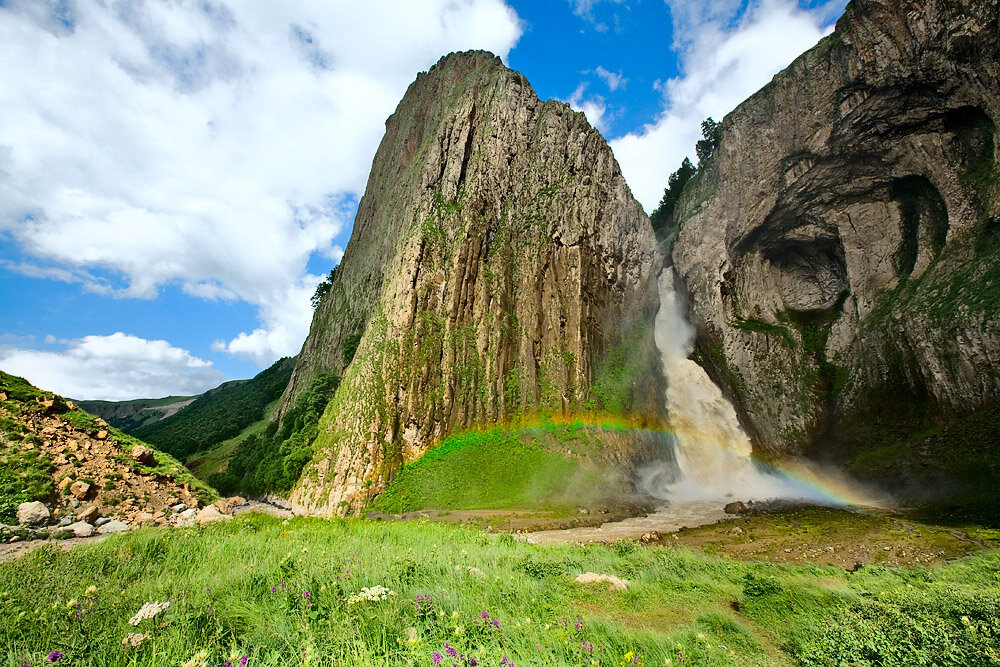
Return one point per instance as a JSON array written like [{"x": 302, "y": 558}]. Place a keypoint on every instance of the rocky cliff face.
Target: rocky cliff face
[
  {"x": 841, "y": 250},
  {"x": 498, "y": 267}
]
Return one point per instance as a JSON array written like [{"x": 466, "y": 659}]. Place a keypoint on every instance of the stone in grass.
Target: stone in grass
[
  {"x": 143, "y": 455},
  {"x": 81, "y": 529},
  {"x": 210, "y": 514},
  {"x": 113, "y": 526},
  {"x": 735, "y": 507},
  {"x": 32, "y": 514},
  {"x": 189, "y": 514},
  {"x": 102, "y": 521},
  {"x": 236, "y": 501},
  {"x": 616, "y": 584}
]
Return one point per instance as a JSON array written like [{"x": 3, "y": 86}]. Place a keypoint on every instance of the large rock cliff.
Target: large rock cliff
[
  {"x": 842, "y": 249},
  {"x": 498, "y": 267}
]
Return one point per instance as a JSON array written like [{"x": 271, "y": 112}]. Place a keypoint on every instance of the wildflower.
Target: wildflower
[
  {"x": 450, "y": 650},
  {"x": 459, "y": 631},
  {"x": 473, "y": 662},
  {"x": 454, "y": 614},
  {"x": 71, "y": 604},
  {"x": 436, "y": 658},
  {"x": 372, "y": 594},
  {"x": 91, "y": 590},
  {"x": 149, "y": 610},
  {"x": 306, "y": 595},
  {"x": 133, "y": 639},
  {"x": 243, "y": 660},
  {"x": 199, "y": 659},
  {"x": 274, "y": 589},
  {"x": 55, "y": 656}
]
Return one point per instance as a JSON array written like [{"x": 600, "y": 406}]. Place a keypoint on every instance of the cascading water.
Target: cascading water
[{"x": 712, "y": 450}]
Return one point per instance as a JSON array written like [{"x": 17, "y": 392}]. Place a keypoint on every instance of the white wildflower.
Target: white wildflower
[
  {"x": 372, "y": 594},
  {"x": 149, "y": 610},
  {"x": 133, "y": 639}
]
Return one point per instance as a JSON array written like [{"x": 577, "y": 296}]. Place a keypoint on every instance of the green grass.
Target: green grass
[
  {"x": 216, "y": 459},
  {"x": 239, "y": 588},
  {"x": 501, "y": 468}
]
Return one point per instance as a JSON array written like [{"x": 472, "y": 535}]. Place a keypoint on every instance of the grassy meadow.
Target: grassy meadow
[{"x": 259, "y": 590}]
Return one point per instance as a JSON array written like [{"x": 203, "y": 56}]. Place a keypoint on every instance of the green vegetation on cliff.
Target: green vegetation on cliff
[
  {"x": 272, "y": 461},
  {"x": 218, "y": 414},
  {"x": 131, "y": 415},
  {"x": 304, "y": 592}
]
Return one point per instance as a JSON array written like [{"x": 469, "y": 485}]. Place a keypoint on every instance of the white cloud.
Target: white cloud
[
  {"x": 115, "y": 367},
  {"x": 207, "y": 143},
  {"x": 614, "y": 81},
  {"x": 593, "y": 107},
  {"x": 727, "y": 52}
]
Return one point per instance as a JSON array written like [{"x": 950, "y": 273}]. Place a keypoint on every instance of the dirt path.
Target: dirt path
[{"x": 664, "y": 520}]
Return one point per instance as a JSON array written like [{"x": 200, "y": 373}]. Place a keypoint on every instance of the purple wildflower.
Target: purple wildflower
[
  {"x": 437, "y": 658},
  {"x": 55, "y": 656},
  {"x": 274, "y": 589},
  {"x": 504, "y": 661},
  {"x": 473, "y": 662},
  {"x": 579, "y": 624},
  {"x": 243, "y": 661},
  {"x": 228, "y": 664},
  {"x": 450, "y": 650},
  {"x": 306, "y": 595},
  {"x": 485, "y": 616},
  {"x": 496, "y": 624}
]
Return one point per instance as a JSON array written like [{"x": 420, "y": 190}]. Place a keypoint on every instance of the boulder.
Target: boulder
[
  {"x": 223, "y": 507},
  {"x": 79, "y": 489},
  {"x": 735, "y": 507},
  {"x": 210, "y": 514},
  {"x": 66, "y": 481},
  {"x": 113, "y": 526},
  {"x": 179, "y": 507},
  {"x": 100, "y": 521},
  {"x": 81, "y": 529},
  {"x": 90, "y": 514},
  {"x": 143, "y": 455},
  {"x": 615, "y": 583},
  {"x": 102, "y": 435},
  {"x": 32, "y": 514},
  {"x": 236, "y": 501},
  {"x": 65, "y": 521},
  {"x": 143, "y": 517},
  {"x": 189, "y": 514},
  {"x": 651, "y": 537}
]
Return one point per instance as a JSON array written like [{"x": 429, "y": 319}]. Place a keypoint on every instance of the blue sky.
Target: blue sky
[{"x": 176, "y": 177}]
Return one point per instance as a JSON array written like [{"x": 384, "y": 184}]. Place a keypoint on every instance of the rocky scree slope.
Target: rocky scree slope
[
  {"x": 841, "y": 250},
  {"x": 79, "y": 467},
  {"x": 498, "y": 267}
]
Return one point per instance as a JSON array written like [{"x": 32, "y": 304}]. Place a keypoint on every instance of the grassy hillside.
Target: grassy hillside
[
  {"x": 218, "y": 414},
  {"x": 545, "y": 465},
  {"x": 304, "y": 592},
  {"x": 130, "y": 415},
  {"x": 215, "y": 460}
]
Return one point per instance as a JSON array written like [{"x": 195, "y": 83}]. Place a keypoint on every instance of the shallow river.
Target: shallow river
[{"x": 666, "y": 519}]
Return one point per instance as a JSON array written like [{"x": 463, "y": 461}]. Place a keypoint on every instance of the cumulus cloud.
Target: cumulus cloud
[
  {"x": 728, "y": 50},
  {"x": 212, "y": 144},
  {"x": 614, "y": 80},
  {"x": 114, "y": 368},
  {"x": 593, "y": 106}
]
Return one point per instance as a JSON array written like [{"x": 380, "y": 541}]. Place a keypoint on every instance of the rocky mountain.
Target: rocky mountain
[
  {"x": 498, "y": 267},
  {"x": 841, "y": 249},
  {"x": 130, "y": 415},
  {"x": 59, "y": 462}
]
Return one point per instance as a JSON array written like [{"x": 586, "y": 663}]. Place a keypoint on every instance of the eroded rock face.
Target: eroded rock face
[
  {"x": 498, "y": 265},
  {"x": 840, "y": 251}
]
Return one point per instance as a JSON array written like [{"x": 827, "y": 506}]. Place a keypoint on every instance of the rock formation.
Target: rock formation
[
  {"x": 498, "y": 267},
  {"x": 840, "y": 250}
]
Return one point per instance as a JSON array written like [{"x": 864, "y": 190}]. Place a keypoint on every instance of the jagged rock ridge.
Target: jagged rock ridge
[
  {"x": 840, "y": 251},
  {"x": 498, "y": 266}
]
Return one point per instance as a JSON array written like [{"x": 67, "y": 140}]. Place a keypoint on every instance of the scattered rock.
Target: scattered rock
[
  {"x": 32, "y": 514},
  {"x": 101, "y": 521},
  {"x": 236, "y": 501},
  {"x": 66, "y": 481},
  {"x": 584, "y": 510},
  {"x": 735, "y": 507},
  {"x": 79, "y": 490},
  {"x": 616, "y": 584},
  {"x": 65, "y": 521},
  {"x": 189, "y": 514},
  {"x": 178, "y": 507},
  {"x": 737, "y": 531},
  {"x": 143, "y": 517},
  {"x": 143, "y": 455},
  {"x": 651, "y": 537},
  {"x": 223, "y": 507},
  {"x": 3, "y": 396},
  {"x": 113, "y": 526},
  {"x": 81, "y": 529},
  {"x": 102, "y": 435},
  {"x": 210, "y": 514}
]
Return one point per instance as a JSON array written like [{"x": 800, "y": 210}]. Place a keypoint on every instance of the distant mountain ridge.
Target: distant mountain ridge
[{"x": 130, "y": 415}]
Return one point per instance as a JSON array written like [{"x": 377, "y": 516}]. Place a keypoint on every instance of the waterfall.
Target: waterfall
[{"x": 712, "y": 450}]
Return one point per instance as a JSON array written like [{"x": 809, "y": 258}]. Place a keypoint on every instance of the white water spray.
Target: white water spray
[{"x": 712, "y": 450}]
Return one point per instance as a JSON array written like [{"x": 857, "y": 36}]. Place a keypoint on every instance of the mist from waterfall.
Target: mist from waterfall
[{"x": 713, "y": 453}]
